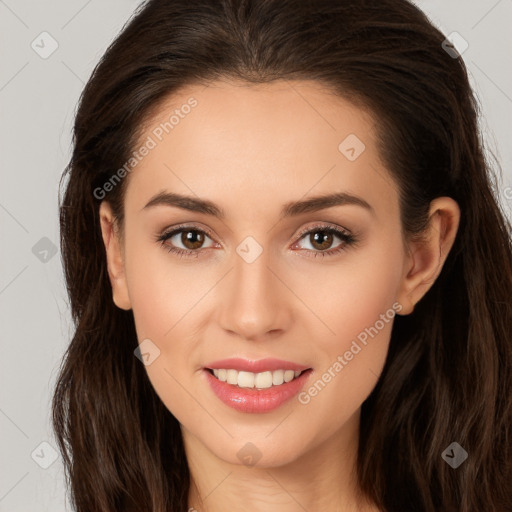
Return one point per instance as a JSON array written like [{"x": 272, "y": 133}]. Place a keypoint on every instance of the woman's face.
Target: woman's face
[{"x": 254, "y": 285}]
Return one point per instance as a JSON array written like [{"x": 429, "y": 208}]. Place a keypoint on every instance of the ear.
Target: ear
[
  {"x": 115, "y": 262},
  {"x": 426, "y": 258}
]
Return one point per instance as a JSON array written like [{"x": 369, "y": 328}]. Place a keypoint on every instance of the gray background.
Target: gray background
[{"x": 38, "y": 97}]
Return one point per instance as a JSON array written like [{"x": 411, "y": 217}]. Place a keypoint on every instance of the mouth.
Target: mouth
[
  {"x": 250, "y": 380},
  {"x": 255, "y": 386}
]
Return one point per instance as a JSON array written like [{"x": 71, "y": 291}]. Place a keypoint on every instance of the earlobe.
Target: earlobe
[
  {"x": 427, "y": 257},
  {"x": 114, "y": 256}
]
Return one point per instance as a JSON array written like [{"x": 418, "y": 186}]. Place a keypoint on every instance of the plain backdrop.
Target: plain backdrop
[{"x": 38, "y": 96}]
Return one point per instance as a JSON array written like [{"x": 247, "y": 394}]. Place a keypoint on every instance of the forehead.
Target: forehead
[{"x": 281, "y": 140}]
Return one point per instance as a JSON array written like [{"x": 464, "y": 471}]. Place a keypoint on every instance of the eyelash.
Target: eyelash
[{"x": 347, "y": 238}]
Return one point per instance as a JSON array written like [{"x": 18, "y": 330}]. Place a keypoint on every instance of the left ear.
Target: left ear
[{"x": 426, "y": 257}]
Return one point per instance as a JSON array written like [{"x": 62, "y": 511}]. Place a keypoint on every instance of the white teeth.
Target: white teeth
[
  {"x": 232, "y": 377},
  {"x": 262, "y": 380},
  {"x": 278, "y": 377},
  {"x": 245, "y": 380},
  {"x": 288, "y": 375}
]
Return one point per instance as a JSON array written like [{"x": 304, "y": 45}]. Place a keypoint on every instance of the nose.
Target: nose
[{"x": 256, "y": 304}]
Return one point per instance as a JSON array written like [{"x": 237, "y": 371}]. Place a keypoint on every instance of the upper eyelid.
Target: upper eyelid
[
  {"x": 167, "y": 233},
  {"x": 325, "y": 226}
]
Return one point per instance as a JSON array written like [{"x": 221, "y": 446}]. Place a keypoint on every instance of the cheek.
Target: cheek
[
  {"x": 162, "y": 293},
  {"x": 164, "y": 299},
  {"x": 357, "y": 308},
  {"x": 353, "y": 295}
]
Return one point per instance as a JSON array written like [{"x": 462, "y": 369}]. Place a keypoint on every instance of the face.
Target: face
[{"x": 263, "y": 274}]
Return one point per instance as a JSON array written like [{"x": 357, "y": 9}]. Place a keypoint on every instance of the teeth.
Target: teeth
[
  {"x": 261, "y": 380},
  {"x": 277, "y": 377},
  {"x": 245, "y": 380},
  {"x": 288, "y": 375},
  {"x": 232, "y": 377}
]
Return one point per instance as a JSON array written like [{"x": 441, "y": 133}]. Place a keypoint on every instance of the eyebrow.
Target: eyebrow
[{"x": 291, "y": 209}]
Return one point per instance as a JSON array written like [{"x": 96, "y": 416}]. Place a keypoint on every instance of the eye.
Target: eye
[
  {"x": 320, "y": 238},
  {"x": 191, "y": 238}
]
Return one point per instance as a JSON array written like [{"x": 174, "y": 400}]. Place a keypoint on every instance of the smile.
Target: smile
[{"x": 255, "y": 386}]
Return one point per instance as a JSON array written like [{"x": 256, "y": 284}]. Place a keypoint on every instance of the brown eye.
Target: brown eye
[
  {"x": 185, "y": 241},
  {"x": 321, "y": 240},
  {"x": 192, "y": 239}
]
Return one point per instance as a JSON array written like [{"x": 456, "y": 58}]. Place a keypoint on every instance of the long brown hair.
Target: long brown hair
[{"x": 448, "y": 374}]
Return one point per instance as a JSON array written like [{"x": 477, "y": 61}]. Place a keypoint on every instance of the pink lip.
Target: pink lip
[
  {"x": 261, "y": 365},
  {"x": 253, "y": 400}
]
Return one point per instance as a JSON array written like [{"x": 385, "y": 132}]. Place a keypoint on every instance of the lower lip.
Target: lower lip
[{"x": 254, "y": 400}]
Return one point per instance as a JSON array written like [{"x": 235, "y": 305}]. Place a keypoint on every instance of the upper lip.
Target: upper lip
[{"x": 255, "y": 366}]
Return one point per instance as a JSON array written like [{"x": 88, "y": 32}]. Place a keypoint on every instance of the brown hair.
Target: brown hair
[{"x": 448, "y": 374}]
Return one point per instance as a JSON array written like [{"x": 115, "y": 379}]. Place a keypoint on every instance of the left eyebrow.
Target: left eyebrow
[
  {"x": 291, "y": 209},
  {"x": 322, "y": 202}
]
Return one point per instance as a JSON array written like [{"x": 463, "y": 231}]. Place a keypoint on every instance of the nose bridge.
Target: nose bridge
[{"x": 255, "y": 302}]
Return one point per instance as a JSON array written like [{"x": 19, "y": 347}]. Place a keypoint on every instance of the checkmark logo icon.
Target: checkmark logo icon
[{"x": 44, "y": 45}]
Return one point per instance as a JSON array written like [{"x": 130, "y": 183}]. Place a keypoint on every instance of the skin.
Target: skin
[{"x": 250, "y": 149}]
